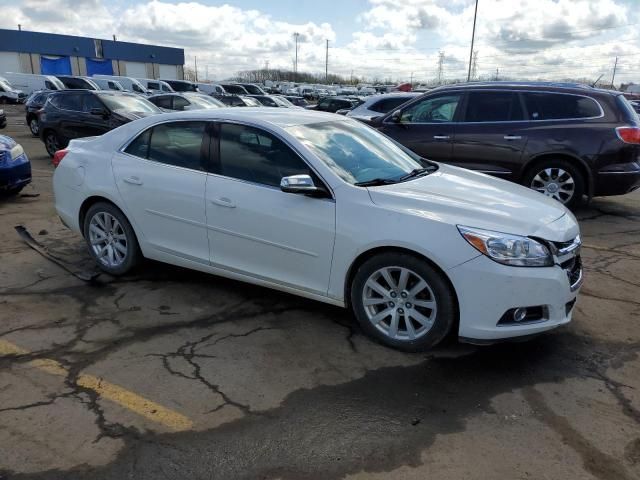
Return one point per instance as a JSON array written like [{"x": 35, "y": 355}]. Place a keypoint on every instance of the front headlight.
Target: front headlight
[{"x": 508, "y": 249}]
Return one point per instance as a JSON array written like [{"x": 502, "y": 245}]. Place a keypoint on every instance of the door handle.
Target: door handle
[
  {"x": 441, "y": 137},
  {"x": 512, "y": 137},
  {"x": 133, "y": 180},
  {"x": 223, "y": 202}
]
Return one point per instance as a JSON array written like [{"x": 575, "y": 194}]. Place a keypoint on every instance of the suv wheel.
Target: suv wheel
[
  {"x": 34, "y": 126},
  {"x": 558, "y": 179},
  {"x": 402, "y": 301},
  {"x": 51, "y": 143},
  {"x": 111, "y": 240}
]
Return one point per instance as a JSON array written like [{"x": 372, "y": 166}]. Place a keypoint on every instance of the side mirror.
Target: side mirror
[
  {"x": 301, "y": 184},
  {"x": 99, "y": 112},
  {"x": 396, "y": 116}
]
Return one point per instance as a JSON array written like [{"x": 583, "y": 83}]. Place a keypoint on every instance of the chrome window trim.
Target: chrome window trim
[{"x": 513, "y": 121}]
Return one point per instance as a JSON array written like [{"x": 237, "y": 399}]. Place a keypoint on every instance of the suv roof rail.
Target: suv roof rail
[{"x": 504, "y": 83}]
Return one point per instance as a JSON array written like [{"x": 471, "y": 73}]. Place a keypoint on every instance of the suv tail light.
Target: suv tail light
[
  {"x": 58, "y": 156},
  {"x": 629, "y": 134}
]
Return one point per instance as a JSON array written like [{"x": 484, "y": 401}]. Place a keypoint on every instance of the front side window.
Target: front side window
[
  {"x": 91, "y": 102},
  {"x": 493, "y": 107},
  {"x": 432, "y": 110},
  {"x": 251, "y": 154},
  {"x": 162, "y": 102},
  {"x": 324, "y": 103},
  {"x": 355, "y": 152},
  {"x": 153, "y": 86},
  {"x": 70, "y": 102},
  {"x": 181, "y": 144},
  {"x": 180, "y": 103},
  {"x": 555, "y": 106},
  {"x": 130, "y": 103}
]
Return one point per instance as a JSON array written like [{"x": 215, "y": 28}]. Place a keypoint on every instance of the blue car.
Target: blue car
[{"x": 15, "y": 168}]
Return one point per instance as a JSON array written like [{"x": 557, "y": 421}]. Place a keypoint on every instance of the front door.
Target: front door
[
  {"x": 428, "y": 126},
  {"x": 257, "y": 229},
  {"x": 161, "y": 178}
]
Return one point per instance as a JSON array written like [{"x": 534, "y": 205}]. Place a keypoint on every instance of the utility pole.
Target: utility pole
[
  {"x": 474, "y": 66},
  {"x": 440, "y": 65},
  {"x": 411, "y": 81},
  {"x": 615, "y": 67},
  {"x": 295, "y": 70},
  {"x": 326, "y": 64},
  {"x": 114, "y": 38},
  {"x": 473, "y": 37},
  {"x": 19, "y": 27},
  {"x": 195, "y": 63},
  {"x": 497, "y": 73}
]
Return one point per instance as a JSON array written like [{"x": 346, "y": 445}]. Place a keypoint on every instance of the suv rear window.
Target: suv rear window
[
  {"x": 554, "y": 106},
  {"x": 493, "y": 107}
]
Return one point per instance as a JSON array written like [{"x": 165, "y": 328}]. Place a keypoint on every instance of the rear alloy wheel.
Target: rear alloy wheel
[
  {"x": 403, "y": 301},
  {"x": 111, "y": 239},
  {"x": 34, "y": 126},
  {"x": 51, "y": 143},
  {"x": 559, "y": 180}
]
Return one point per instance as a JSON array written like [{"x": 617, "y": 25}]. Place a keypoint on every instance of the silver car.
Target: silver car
[{"x": 377, "y": 105}]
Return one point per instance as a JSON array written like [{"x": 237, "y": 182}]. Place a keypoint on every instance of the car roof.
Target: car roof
[
  {"x": 259, "y": 115},
  {"x": 567, "y": 87}
]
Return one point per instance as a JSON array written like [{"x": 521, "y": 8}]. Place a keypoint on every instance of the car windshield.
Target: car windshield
[
  {"x": 356, "y": 152},
  {"x": 130, "y": 103}
]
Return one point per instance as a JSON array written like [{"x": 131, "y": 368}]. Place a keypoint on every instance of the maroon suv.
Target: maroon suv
[{"x": 563, "y": 140}]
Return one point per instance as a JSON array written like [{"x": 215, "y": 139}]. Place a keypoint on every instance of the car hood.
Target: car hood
[{"x": 462, "y": 197}]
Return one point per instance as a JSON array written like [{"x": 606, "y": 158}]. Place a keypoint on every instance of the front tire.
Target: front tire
[
  {"x": 557, "y": 179},
  {"x": 403, "y": 302},
  {"x": 111, "y": 240},
  {"x": 34, "y": 126}
]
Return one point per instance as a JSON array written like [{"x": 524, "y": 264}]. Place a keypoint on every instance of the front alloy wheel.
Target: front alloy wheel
[
  {"x": 403, "y": 301},
  {"x": 34, "y": 127}
]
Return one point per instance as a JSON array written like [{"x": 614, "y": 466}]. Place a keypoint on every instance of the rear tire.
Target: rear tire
[
  {"x": 403, "y": 302},
  {"x": 51, "y": 143},
  {"x": 558, "y": 179},
  {"x": 111, "y": 240}
]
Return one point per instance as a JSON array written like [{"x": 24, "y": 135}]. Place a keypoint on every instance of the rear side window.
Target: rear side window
[
  {"x": 555, "y": 106},
  {"x": 251, "y": 154},
  {"x": 180, "y": 144},
  {"x": 69, "y": 102},
  {"x": 493, "y": 107},
  {"x": 388, "y": 104}
]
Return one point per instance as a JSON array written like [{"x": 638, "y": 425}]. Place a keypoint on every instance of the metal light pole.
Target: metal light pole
[
  {"x": 473, "y": 37},
  {"x": 295, "y": 70}
]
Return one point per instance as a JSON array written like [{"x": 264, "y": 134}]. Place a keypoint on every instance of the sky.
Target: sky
[{"x": 397, "y": 40}]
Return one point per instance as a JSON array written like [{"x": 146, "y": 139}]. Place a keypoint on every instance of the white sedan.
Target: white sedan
[{"x": 325, "y": 207}]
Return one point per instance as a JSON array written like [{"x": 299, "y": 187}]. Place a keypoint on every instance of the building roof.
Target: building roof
[{"x": 68, "y": 45}]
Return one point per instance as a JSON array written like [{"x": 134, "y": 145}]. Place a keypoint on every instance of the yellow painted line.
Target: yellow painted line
[{"x": 123, "y": 397}]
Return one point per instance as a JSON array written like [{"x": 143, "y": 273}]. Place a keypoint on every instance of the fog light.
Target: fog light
[{"x": 519, "y": 314}]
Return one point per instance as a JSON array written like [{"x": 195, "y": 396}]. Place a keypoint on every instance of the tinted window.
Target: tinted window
[
  {"x": 493, "y": 107},
  {"x": 251, "y": 154},
  {"x": 163, "y": 102},
  {"x": 324, "y": 103},
  {"x": 153, "y": 85},
  {"x": 90, "y": 101},
  {"x": 140, "y": 146},
  {"x": 178, "y": 144},
  {"x": 550, "y": 106},
  {"x": 70, "y": 102},
  {"x": 388, "y": 104},
  {"x": 434, "y": 109},
  {"x": 49, "y": 85},
  {"x": 180, "y": 103}
]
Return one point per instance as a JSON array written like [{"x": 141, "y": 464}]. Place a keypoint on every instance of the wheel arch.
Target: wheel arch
[
  {"x": 573, "y": 159},
  {"x": 92, "y": 200},
  {"x": 372, "y": 252}
]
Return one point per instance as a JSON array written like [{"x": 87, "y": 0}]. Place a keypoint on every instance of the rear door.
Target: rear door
[
  {"x": 161, "y": 178},
  {"x": 428, "y": 126},
  {"x": 94, "y": 125},
  {"x": 492, "y": 133}
]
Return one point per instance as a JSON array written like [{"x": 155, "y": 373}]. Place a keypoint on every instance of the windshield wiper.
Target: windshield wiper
[
  {"x": 375, "y": 182},
  {"x": 417, "y": 172}
]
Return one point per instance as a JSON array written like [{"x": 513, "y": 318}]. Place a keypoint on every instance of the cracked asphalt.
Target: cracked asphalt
[{"x": 174, "y": 374}]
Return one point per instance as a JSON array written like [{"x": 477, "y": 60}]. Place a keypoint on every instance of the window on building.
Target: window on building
[{"x": 98, "y": 48}]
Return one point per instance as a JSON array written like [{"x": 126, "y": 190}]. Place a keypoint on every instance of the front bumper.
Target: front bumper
[
  {"x": 618, "y": 179},
  {"x": 487, "y": 290}
]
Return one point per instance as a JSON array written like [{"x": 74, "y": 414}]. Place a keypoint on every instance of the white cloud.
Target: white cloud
[{"x": 546, "y": 38}]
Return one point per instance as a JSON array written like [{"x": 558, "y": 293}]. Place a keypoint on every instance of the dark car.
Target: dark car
[
  {"x": 182, "y": 85},
  {"x": 239, "y": 101},
  {"x": 32, "y": 106},
  {"x": 185, "y": 101},
  {"x": 234, "y": 89},
  {"x": 563, "y": 140},
  {"x": 333, "y": 104},
  {"x": 297, "y": 101},
  {"x": 77, "y": 83},
  {"x": 70, "y": 114},
  {"x": 253, "y": 89},
  {"x": 15, "y": 168},
  {"x": 3, "y": 119}
]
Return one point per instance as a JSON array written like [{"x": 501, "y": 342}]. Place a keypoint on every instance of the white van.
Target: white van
[
  {"x": 30, "y": 82},
  {"x": 156, "y": 86},
  {"x": 129, "y": 83},
  {"x": 8, "y": 94},
  {"x": 106, "y": 84}
]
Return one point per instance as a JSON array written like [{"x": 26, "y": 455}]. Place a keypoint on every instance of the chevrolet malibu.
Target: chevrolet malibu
[{"x": 325, "y": 207}]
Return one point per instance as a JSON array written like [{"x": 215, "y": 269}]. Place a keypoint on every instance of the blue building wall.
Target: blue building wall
[{"x": 67, "y": 45}]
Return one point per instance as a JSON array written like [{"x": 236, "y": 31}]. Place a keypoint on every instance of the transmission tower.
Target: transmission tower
[{"x": 440, "y": 66}]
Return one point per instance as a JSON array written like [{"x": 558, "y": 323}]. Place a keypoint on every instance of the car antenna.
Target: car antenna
[{"x": 596, "y": 82}]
